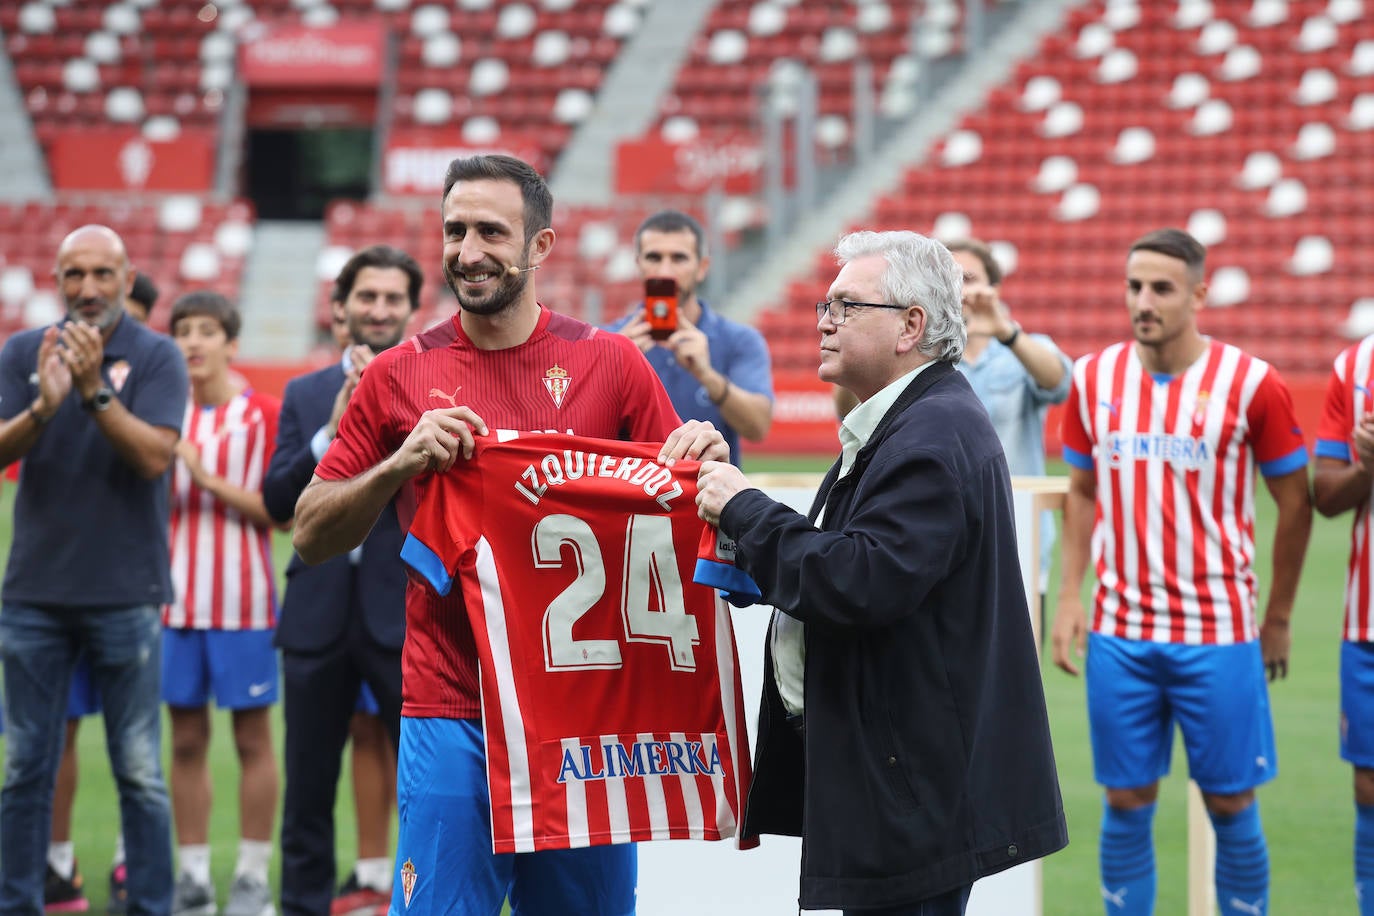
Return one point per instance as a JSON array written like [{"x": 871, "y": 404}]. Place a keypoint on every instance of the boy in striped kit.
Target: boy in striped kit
[
  {"x": 217, "y": 634},
  {"x": 1163, "y": 436},
  {"x": 1345, "y": 481}
]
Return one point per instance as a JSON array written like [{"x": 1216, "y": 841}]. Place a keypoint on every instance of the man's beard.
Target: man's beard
[
  {"x": 358, "y": 334},
  {"x": 108, "y": 316},
  {"x": 499, "y": 300}
]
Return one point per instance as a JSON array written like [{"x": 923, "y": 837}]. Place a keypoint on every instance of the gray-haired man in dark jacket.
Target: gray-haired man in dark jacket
[{"x": 902, "y": 732}]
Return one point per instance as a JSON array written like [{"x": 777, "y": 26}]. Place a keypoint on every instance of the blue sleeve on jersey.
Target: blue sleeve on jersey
[
  {"x": 1285, "y": 465},
  {"x": 1328, "y": 448},
  {"x": 1077, "y": 459},
  {"x": 427, "y": 563},
  {"x": 734, "y": 584}
]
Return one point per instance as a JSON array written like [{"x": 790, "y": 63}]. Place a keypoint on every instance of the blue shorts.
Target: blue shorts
[
  {"x": 367, "y": 703},
  {"x": 239, "y": 666},
  {"x": 1217, "y": 695},
  {"x": 443, "y": 849},
  {"x": 82, "y": 699},
  {"x": 1357, "y": 703}
]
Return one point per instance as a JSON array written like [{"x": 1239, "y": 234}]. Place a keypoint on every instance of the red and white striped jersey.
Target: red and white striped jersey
[
  {"x": 1174, "y": 539},
  {"x": 222, "y": 563},
  {"x": 611, "y": 697},
  {"x": 568, "y": 377},
  {"x": 1348, "y": 400}
]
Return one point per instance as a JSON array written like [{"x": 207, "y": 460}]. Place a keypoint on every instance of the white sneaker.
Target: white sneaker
[
  {"x": 190, "y": 898},
  {"x": 249, "y": 897}
]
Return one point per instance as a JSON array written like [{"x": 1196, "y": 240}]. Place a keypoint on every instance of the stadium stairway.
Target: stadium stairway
[
  {"x": 278, "y": 293},
  {"x": 627, "y": 104},
  {"x": 1018, "y": 39},
  {"x": 22, "y": 175}
]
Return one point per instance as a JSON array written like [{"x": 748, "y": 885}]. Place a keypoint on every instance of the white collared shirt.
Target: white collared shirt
[{"x": 789, "y": 634}]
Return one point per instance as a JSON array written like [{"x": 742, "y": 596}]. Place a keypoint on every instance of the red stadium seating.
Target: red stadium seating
[
  {"x": 157, "y": 245},
  {"x": 1067, "y": 279}
]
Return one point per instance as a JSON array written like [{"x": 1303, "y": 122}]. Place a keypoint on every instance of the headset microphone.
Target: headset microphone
[{"x": 517, "y": 271}]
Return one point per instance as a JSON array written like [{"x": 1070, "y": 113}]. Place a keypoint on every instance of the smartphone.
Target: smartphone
[{"x": 660, "y": 306}]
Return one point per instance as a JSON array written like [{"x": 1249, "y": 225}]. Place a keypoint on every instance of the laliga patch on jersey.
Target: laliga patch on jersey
[
  {"x": 119, "y": 374},
  {"x": 556, "y": 381},
  {"x": 725, "y": 547},
  {"x": 408, "y": 877}
]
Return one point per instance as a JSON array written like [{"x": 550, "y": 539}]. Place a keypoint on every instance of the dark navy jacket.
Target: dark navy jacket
[
  {"x": 314, "y": 612},
  {"x": 926, "y": 760}
]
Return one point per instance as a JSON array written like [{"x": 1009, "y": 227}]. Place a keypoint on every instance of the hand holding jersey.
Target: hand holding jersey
[{"x": 717, "y": 484}]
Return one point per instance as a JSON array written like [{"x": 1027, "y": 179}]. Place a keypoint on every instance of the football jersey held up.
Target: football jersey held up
[{"x": 610, "y": 684}]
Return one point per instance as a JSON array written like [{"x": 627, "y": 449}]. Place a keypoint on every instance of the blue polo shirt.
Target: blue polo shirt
[
  {"x": 738, "y": 352},
  {"x": 88, "y": 530},
  {"x": 1017, "y": 406}
]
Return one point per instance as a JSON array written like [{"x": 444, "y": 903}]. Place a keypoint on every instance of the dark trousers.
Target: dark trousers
[
  {"x": 321, "y": 693},
  {"x": 950, "y": 903}
]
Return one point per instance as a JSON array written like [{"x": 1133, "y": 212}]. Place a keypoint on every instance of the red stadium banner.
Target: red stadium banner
[
  {"x": 288, "y": 54},
  {"x": 654, "y": 166},
  {"x": 415, "y": 160},
  {"x": 120, "y": 159},
  {"x": 803, "y": 416}
]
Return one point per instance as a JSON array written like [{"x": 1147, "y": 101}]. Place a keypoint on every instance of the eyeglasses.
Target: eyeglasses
[{"x": 838, "y": 309}]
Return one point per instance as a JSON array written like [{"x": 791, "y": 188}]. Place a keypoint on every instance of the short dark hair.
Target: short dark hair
[
  {"x": 144, "y": 292},
  {"x": 980, "y": 250},
  {"x": 672, "y": 221},
  {"x": 379, "y": 256},
  {"x": 210, "y": 304},
  {"x": 1175, "y": 243},
  {"x": 534, "y": 191}
]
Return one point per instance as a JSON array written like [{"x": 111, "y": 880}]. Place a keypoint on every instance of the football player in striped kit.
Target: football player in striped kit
[
  {"x": 217, "y": 633},
  {"x": 1163, "y": 435},
  {"x": 1344, "y": 480}
]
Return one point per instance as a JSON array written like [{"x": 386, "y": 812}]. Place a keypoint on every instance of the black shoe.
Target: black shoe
[
  {"x": 64, "y": 895},
  {"x": 119, "y": 890}
]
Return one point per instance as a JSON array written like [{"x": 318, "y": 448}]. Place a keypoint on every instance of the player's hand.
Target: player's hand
[
  {"x": 638, "y": 330},
  {"x": 437, "y": 441},
  {"x": 717, "y": 483},
  {"x": 54, "y": 378},
  {"x": 1364, "y": 442},
  {"x": 1276, "y": 641},
  {"x": 690, "y": 347},
  {"x": 83, "y": 350},
  {"x": 1068, "y": 636},
  {"x": 358, "y": 358},
  {"x": 190, "y": 456},
  {"x": 697, "y": 440}
]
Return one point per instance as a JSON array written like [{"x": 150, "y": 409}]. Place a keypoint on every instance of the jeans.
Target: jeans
[{"x": 39, "y": 648}]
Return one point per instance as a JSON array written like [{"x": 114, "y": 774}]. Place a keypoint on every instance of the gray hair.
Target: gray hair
[{"x": 920, "y": 271}]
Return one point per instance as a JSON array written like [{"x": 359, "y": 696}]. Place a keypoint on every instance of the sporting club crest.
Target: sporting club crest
[
  {"x": 557, "y": 382},
  {"x": 119, "y": 374},
  {"x": 408, "y": 877},
  {"x": 1200, "y": 407}
]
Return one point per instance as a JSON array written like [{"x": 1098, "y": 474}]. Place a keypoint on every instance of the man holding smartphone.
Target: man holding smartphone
[
  {"x": 342, "y": 622},
  {"x": 714, "y": 369}
]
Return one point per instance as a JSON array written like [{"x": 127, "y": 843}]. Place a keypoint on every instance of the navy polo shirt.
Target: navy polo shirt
[
  {"x": 738, "y": 352},
  {"x": 88, "y": 530}
]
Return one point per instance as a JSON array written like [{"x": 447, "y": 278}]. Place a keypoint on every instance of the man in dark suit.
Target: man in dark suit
[
  {"x": 900, "y": 674},
  {"x": 343, "y": 621}
]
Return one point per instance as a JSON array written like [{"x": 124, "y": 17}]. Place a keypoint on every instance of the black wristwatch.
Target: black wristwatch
[{"x": 101, "y": 400}]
